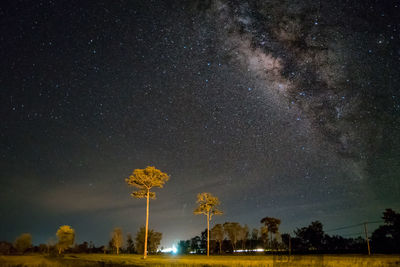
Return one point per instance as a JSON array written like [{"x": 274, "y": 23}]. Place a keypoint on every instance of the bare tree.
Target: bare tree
[
  {"x": 207, "y": 205},
  {"x": 144, "y": 180},
  {"x": 117, "y": 238}
]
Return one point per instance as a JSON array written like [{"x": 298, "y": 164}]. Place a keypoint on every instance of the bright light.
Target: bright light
[{"x": 173, "y": 250}]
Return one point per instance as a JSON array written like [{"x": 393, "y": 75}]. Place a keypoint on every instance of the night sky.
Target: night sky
[{"x": 281, "y": 108}]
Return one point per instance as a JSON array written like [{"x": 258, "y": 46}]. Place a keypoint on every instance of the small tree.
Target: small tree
[
  {"x": 23, "y": 242},
  {"x": 144, "y": 180},
  {"x": 207, "y": 205},
  {"x": 66, "y": 238},
  {"x": 217, "y": 233},
  {"x": 117, "y": 238}
]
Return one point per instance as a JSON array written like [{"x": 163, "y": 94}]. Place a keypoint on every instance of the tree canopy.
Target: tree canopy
[
  {"x": 207, "y": 204},
  {"x": 145, "y": 179},
  {"x": 23, "y": 242},
  {"x": 66, "y": 237},
  {"x": 153, "y": 240}
]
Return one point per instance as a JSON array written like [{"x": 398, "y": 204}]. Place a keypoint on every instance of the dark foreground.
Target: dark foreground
[{"x": 169, "y": 260}]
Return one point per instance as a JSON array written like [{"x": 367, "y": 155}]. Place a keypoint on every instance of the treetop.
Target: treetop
[{"x": 145, "y": 179}]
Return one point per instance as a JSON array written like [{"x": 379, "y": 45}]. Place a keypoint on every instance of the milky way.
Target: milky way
[{"x": 287, "y": 109}]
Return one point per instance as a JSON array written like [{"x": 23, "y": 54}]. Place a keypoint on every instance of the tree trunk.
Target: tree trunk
[
  {"x": 208, "y": 234},
  {"x": 220, "y": 247},
  {"x": 147, "y": 225},
  {"x": 117, "y": 250}
]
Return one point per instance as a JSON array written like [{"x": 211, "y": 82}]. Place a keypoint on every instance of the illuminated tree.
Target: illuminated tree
[
  {"x": 23, "y": 242},
  {"x": 117, "y": 238},
  {"x": 144, "y": 180},
  {"x": 66, "y": 238},
  {"x": 217, "y": 233},
  {"x": 207, "y": 205}
]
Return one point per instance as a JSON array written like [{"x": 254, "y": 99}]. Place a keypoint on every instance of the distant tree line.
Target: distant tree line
[
  {"x": 65, "y": 243},
  {"x": 232, "y": 237}
]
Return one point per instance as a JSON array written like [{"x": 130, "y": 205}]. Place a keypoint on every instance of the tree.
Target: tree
[
  {"x": 153, "y": 240},
  {"x": 312, "y": 236},
  {"x": 195, "y": 244},
  {"x": 232, "y": 229},
  {"x": 183, "y": 247},
  {"x": 254, "y": 238},
  {"x": 23, "y": 242},
  {"x": 217, "y": 233},
  {"x": 130, "y": 246},
  {"x": 66, "y": 238},
  {"x": 273, "y": 226},
  {"x": 387, "y": 237},
  {"x": 144, "y": 180},
  {"x": 207, "y": 205},
  {"x": 117, "y": 238},
  {"x": 243, "y": 235}
]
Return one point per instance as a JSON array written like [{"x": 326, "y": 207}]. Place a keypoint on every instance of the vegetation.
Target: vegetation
[
  {"x": 217, "y": 234},
  {"x": 145, "y": 180},
  {"x": 78, "y": 260},
  {"x": 23, "y": 242},
  {"x": 117, "y": 239},
  {"x": 153, "y": 240},
  {"x": 66, "y": 238},
  {"x": 207, "y": 205}
]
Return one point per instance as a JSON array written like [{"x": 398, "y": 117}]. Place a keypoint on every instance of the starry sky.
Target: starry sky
[{"x": 287, "y": 109}]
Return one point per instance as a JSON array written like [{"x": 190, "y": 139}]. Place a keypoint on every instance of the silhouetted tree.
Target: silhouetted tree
[
  {"x": 66, "y": 238},
  {"x": 207, "y": 204},
  {"x": 387, "y": 237},
  {"x": 23, "y": 242},
  {"x": 217, "y": 233},
  {"x": 144, "y": 180},
  {"x": 83, "y": 248},
  {"x": 183, "y": 247},
  {"x": 130, "y": 245},
  {"x": 117, "y": 239},
  {"x": 243, "y": 235},
  {"x": 195, "y": 243},
  {"x": 153, "y": 240},
  {"x": 6, "y": 248},
  {"x": 272, "y": 225},
  {"x": 254, "y": 238},
  {"x": 264, "y": 235},
  {"x": 232, "y": 230},
  {"x": 311, "y": 237}
]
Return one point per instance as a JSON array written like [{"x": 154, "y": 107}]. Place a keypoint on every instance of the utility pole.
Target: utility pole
[
  {"x": 290, "y": 246},
  {"x": 366, "y": 237}
]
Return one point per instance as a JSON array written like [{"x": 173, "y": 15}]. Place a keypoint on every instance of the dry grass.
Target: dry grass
[{"x": 195, "y": 260}]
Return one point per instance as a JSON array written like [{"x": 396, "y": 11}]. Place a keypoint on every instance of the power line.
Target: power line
[{"x": 351, "y": 226}]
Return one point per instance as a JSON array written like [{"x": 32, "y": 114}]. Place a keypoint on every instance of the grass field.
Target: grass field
[{"x": 169, "y": 260}]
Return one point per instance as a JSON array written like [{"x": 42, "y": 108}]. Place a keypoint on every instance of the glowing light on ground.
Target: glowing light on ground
[{"x": 172, "y": 250}]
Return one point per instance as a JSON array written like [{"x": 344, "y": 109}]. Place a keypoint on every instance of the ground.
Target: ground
[{"x": 195, "y": 260}]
